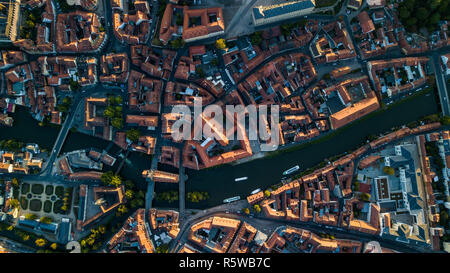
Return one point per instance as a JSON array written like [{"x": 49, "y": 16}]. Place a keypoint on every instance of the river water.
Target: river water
[{"x": 219, "y": 182}]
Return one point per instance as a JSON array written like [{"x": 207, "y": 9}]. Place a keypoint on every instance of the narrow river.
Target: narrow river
[{"x": 219, "y": 182}]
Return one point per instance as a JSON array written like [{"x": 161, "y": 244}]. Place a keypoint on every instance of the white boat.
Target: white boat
[
  {"x": 291, "y": 170},
  {"x": 232, "y": 199},
  {"x": 255, "y": 191},
  {"x": 241, "y": 179}
]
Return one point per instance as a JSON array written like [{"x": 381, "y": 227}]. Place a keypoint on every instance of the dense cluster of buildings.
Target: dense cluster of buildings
[
  {"x": 145, "y": 232},
  {"x": 355, "y": 191}
]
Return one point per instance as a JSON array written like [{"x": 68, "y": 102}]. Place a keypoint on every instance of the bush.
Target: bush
[{"x": 40, "y": 242}]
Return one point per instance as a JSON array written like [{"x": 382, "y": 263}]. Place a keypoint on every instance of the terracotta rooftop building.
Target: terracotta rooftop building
[
  {"x": 151, "y": 122},
  {"x": 165, "y": 220},
  {"x": 92, "y": 121},
  {"x": 160, "y": 176},
  {"x": 8, "y": 58},
  {"x": 133, "y": 236},
  {"x": 203, "y": 233},
  {"x": 197, "y": 24},
  {"x": 144, "y": 93},
  {"x": 170, "y": 155}
]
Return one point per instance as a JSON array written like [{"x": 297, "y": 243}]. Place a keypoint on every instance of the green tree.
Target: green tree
[
  {"x": 129, "y": 194},
  {"x": 365, "y": 197},
  {"x": 177, "y": 43},
  {"x": 247, "y": 211},
  {"x": 118, "y": 111},
  {"x": 109, "y": 112},
  {"x": 46, "y": 220},
  {"x": 267, "y": 193},
  {"x": 403, "y": 12},
  {"x": 121, "y": 210},
  {"x": 117, "y": 123},
  {"x": 257, "y": 208},
  {"x": 118, "y": 100},
  {"x": 74, "y": 85},
  {"x": 133, "y": 134},
  {"x": 163, "y": 248},
  {"x": 200, "y": 72},
  {"x": 256, "y": 38},
  {"x": 107, "y": 177},
  {"x": 422, "y": 14},
  {"x": 435, "y": 18}
]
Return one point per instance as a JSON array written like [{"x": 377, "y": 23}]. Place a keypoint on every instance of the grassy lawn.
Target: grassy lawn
[
  {"x": 48, "y": 206},
  {"x": 49, "y": 189},
  {"x": 37, "y": 188},
  {"x": 35, "y": 205}
]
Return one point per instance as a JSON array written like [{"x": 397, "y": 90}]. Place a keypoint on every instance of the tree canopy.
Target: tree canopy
[{"x": 427, "y": 13}]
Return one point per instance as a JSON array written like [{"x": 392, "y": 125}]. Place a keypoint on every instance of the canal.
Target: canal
[{"x": 219, "y": 182}]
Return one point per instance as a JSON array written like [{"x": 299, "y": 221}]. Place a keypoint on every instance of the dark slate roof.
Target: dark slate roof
[{"x": 295, "y": 6}]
